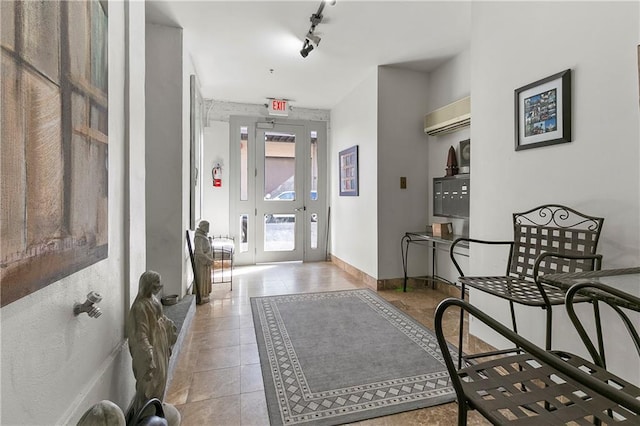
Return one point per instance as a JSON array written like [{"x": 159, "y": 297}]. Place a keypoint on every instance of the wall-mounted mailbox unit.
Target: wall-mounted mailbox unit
[{"x": 451, "y": 196}]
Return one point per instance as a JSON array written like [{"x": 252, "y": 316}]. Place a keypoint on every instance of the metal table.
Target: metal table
[
  {"x": 624, "y": 279},
  {"x": 618, "y": 288},
  {"x": 425, "y": 238}
]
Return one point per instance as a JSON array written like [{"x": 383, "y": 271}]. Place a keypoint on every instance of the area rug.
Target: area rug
[{"x": 343, "y": 356}]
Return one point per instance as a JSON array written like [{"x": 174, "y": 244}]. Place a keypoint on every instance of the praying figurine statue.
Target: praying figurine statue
[
  {"x": 204, "y": 259},
  {"x": 151, "y": 338}
]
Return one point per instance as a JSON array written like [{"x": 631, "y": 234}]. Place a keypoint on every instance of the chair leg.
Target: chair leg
[
  {"x": 231, "y": 278},
  {"x": 462, "y": 413},
  {"x": 460, "y": 337},
  {"x": 549, "y": 328},
  {"x": 513, "y": 317}
]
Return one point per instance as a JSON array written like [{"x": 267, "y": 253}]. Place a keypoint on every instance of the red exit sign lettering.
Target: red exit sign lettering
[{"x": 278, "y": 107}]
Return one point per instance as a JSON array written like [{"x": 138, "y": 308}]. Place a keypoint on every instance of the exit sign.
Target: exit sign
[{"x": 278, "y": 107}]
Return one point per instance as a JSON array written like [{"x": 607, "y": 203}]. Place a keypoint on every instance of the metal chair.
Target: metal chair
[
  {"x": 548, "y": 239},
  {"x": 223, "y": 248},
  {"x": 532, "y": 386}
]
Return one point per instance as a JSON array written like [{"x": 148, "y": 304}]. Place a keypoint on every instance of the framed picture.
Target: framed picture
[
  {"x": 348, "y": 163},
  {"x": 465, "y": 154},
  {"x": 543, "y": 112}
]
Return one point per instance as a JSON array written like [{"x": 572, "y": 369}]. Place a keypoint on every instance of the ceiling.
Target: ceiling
[{"x": 248, "y": 51}]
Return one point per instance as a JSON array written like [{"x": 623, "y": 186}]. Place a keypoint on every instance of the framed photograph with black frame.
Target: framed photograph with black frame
[
  {"x": 348, "y": 163},
  {"x": 543, "y": 112}
]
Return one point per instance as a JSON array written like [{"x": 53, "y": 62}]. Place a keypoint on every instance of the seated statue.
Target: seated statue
[
  {"x": 204, "y": 259},
  {"x": 151, "y": 339}
]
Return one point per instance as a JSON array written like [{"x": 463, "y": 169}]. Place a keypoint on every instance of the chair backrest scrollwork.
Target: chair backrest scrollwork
[{"x": 553, "y": 228}]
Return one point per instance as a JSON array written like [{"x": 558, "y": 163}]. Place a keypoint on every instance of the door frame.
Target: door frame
[{"x": 237, "y": 207}]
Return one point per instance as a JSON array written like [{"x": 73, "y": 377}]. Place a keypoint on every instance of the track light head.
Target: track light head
[{"x": 306, "y": 48}]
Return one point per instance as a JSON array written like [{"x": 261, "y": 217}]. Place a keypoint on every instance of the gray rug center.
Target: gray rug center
[{"x": 332, "y": 356}]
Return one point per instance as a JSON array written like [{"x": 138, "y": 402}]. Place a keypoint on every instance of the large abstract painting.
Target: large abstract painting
[{"x": 54, "y": 142}]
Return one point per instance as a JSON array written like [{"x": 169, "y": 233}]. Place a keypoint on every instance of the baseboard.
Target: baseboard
[
  {"x": 371, "y": 282},
  {"x": 393, "y": 283},
  {"x": 449, "y": 289}
]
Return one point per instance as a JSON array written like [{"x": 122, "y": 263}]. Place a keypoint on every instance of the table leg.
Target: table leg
[
  {"x": 433, "y": 265},
  {"x": 404, "y": 250}
]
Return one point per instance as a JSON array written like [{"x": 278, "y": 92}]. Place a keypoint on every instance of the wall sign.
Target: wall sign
[{"x": 278, "y": 107}]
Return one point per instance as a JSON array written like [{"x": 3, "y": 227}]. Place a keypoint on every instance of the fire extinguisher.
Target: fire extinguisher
[{"x": 217, "y": 175}]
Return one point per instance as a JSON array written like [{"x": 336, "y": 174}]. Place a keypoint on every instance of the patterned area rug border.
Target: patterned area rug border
[{"x": 291, "y": 398}]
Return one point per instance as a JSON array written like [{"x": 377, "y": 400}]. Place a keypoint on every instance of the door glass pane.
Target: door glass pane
[
  {"x": 313, "y": 237},
  {"x": 244, "y": 244},
  {"x": 279, "y": 166},
  {"x": 279, "y": 232},
  {"x": 244, "y": 164},
  {"x": 313, "y": 153}
]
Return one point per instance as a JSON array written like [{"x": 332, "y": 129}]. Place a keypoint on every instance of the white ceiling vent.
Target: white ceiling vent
[{"x": 449, "y": 118}]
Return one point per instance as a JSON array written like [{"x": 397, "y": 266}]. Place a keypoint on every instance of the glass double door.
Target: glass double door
[{"x": 285, "y": 191}]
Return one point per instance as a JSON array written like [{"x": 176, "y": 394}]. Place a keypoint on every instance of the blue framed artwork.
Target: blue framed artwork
[
  {"x": 543, "y": 112},
  {"x": 348, "y": 163}
]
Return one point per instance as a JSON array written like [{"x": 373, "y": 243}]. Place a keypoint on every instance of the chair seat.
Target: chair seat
[
  {"x": 521, "y": 390},
  {"x": 223, "y": 248},
  {"x": 516, "y": 290}
]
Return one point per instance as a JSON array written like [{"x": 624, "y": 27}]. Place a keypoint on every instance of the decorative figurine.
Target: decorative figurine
[
  {"x": 204, "y": 259},
  {"x": 452, "y": 163},
  {"x": 103, "y": 413},
  {"x": 151, "y": 338}
]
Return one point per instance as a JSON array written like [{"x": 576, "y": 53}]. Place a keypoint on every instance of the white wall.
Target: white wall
[
  {"x": 55, "y": 365},
  {"x": 354, "y": 220},
  {"x": 597, "y": 173},
  {"x": 135, "y": 222},
  {"x": 448, "y": 83},
  {"x": 216, "y": 200},
  {"x": 167, "y": 152},
  {"x": 402, "y": 151}
]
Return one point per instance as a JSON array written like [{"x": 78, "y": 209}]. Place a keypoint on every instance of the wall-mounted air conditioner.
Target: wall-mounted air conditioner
[{"x": 449, "y": 118}]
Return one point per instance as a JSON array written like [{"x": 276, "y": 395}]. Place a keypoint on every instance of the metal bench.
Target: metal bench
[{"x": 531, "y": 386}]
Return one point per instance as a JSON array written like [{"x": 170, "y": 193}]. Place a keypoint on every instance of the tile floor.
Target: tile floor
[{"x": 218, "y": 380}]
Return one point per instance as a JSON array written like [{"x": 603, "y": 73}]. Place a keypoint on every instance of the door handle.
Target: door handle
[{"x": 300, "y": 209}]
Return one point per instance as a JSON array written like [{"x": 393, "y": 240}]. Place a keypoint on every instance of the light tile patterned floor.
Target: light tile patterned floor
[{"x": 218, "y": 380}]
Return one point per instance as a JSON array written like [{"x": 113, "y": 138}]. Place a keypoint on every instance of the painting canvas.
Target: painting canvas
[
  {"x": 348, "y": 160},
  {"x": 54, "y": 142}
]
